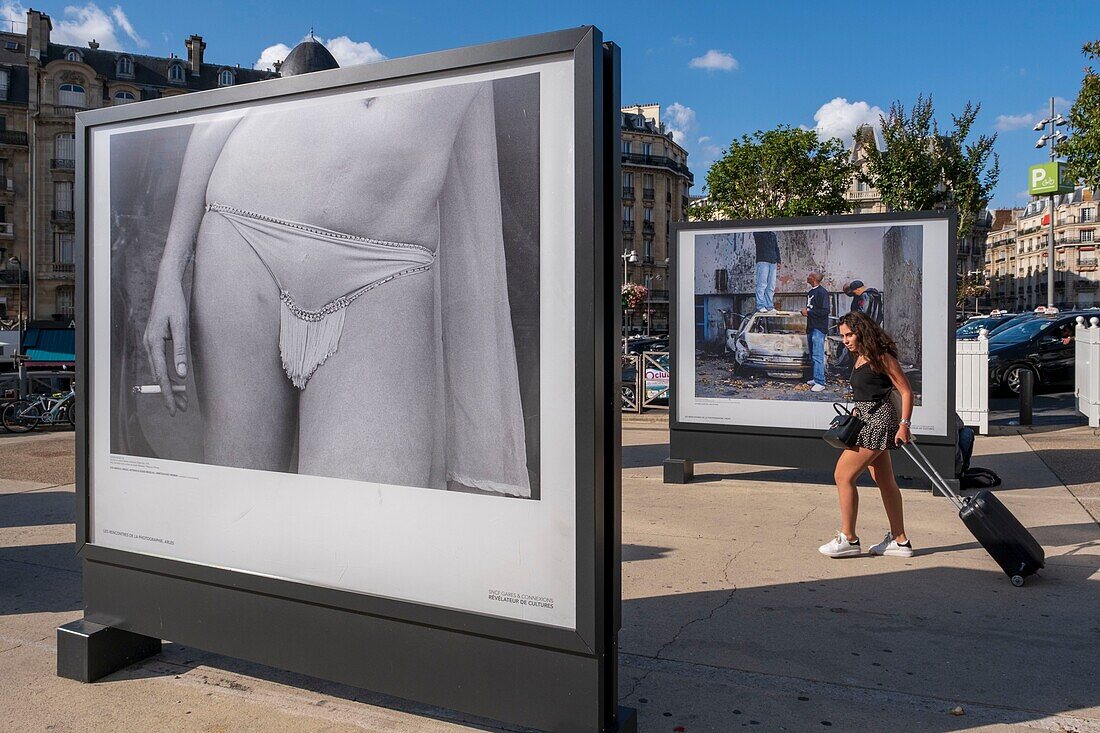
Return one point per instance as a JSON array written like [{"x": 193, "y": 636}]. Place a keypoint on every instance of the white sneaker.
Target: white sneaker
[
  {"x": 889, "y": 546},
  {"x": 839, "y": 546},
  {"x": 812, "y": 382},
  {"x": 817, "y": 388}
]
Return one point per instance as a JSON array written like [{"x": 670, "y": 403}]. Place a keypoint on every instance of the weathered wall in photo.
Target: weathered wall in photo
[{"x": 903, "y": 252}]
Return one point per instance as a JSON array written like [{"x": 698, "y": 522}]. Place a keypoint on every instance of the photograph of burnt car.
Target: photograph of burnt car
[{"x": 767, "y": 305}]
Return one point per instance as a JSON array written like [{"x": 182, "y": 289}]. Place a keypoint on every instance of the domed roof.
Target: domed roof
[{"x": 307, "y": 56}]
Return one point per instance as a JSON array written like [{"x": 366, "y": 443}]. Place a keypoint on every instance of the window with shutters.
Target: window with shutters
[{"x": 71, "y": 95}]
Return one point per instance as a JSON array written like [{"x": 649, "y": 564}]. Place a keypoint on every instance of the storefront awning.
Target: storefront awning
[{"x": 50, "y": 347}]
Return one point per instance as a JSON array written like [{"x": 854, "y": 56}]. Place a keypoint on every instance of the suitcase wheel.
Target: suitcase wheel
[{"x": 1017, "y": 580}]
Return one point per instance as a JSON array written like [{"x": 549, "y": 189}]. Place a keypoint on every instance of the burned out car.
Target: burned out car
[{"x": 776, "y": 343}]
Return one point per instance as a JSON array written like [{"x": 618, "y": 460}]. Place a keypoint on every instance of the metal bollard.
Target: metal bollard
[{"x": 1027, "y": 395}]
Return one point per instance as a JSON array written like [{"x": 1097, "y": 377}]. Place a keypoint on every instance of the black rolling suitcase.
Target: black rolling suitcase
[{"x": 999, "y": 532}]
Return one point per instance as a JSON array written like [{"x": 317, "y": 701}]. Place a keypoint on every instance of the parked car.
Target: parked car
[
  {"x": 640, "y": 344},
  {"x": 969, "y": 330},
  {"x": 776, "y": 343},
  {"x": 1042, "y": 345}
]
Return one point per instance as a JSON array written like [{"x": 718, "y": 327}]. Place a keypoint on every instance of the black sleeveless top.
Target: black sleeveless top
[{"x": 868, "y": 385}]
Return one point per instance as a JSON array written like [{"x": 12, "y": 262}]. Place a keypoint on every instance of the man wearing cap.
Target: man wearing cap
[{"x": 865, "y": 300}]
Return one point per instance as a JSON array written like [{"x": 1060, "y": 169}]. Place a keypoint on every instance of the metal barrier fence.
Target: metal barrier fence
[
  {"x": 645, "y": 380},
  {"x": 1087, "y": 361},
  {"x": 972, "y": 381}
]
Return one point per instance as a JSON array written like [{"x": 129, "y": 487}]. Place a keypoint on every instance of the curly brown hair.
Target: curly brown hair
[{"x": 873, "y": 343}]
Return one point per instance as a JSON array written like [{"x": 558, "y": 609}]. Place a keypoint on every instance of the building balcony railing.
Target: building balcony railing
[
  {"x": 628, "y": 225},
  {"x": 62, "y": 215},
  {"x": 628, "y": 192},
  {"x": 1087, "y": 285},
  {"x": 7, "y": 229},
  {"x": 13, "y": 276},
  {"x": 647, "y": 194},
  {"x": 56, "y": 270},
  {"x": 658, "y": 296},
  {"x": 13, "y": 137},
  {"x": 658, "y": 161},
  {"x": 647, "y": 260},
  {"x": 60, "y": 110},
  {"x": 62, "y": 163},
  {"x": 1084, "y": 264},
  {"x": 867, "y": 195},
  {"x": 647, "y": 226}
]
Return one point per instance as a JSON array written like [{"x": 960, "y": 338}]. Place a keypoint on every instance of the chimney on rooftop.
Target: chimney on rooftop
[
  {"x": 195, "y": 47},
  {"x": 93, "y": 44}
]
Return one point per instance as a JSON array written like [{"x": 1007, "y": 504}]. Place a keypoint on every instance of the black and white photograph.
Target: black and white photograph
[
  {"x": 766, "y": 305},
  {"x": 347, "y": 289},
  {"x": 328, "y": 314}
]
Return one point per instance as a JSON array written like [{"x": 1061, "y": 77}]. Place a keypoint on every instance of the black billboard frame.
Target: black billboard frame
[
  {"x": 435, "y": 655},
  {"x": 694, "y": 442}
]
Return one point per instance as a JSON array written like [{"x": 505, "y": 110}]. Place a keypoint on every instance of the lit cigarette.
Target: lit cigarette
[{"x": 155, "y": 388}]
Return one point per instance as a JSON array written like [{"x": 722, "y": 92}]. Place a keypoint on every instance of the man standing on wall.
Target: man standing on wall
[
  {"x": 767, "y": 267},
  {"x": 817, "y": 325}
]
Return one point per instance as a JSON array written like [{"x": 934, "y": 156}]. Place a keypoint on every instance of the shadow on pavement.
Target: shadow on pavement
[
  {"x": 36, "y": 508},
  {"x": 914, "y": 642},
  {"x": 40, "y": 578}
]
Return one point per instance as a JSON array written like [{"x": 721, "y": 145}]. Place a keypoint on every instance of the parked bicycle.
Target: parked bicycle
[{"x": 22, "y": 416}]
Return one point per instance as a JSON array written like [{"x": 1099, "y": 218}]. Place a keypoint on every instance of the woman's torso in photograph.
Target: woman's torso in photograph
[{"x": 367, "y": 167}]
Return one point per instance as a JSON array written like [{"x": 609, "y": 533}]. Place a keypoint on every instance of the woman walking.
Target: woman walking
[{"x": 875, "y": 376}]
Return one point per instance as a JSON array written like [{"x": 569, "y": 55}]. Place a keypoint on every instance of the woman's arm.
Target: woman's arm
[
  {"x": 169, "y": 319},
  {"x": 901, "y": 384}
]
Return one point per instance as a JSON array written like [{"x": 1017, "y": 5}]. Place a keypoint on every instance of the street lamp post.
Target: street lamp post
[
  {"x": 1053, "y": 138},
  {"x": 19, "y": 281},
  {"x": 630, "y": 257},
  {"x": 649, "y": 280}
]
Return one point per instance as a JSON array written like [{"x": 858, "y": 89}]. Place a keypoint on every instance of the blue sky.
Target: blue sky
[{"x": 756, "y": 64}]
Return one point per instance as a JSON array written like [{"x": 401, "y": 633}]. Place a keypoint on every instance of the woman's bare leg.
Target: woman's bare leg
[
  {"x": 882, "y": 471},
  {"x": 848, "y": 468},
  {"x": 373, "y": 411},
  {"x": 249, "y": 407}
]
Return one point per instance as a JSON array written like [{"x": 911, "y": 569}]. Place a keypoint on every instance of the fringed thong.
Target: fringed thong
[{"x": 299, "y": 257}]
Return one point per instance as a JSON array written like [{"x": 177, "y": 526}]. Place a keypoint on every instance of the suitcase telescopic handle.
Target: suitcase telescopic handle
[{"x": 925, "y": 465}]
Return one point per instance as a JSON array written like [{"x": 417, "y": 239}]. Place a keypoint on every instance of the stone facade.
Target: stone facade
[
  {"x": 1018, "y": 266},
  {"x": 38, "y": 144},
  {"x": 656, "y": 185}
]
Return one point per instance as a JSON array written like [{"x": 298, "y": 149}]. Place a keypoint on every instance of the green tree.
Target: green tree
[
  {"x": 1082, "y": 150},
  {"x": 920, "y": 168},
  {"x": 780, "y": 172}
]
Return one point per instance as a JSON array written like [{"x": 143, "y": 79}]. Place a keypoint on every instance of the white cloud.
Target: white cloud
[
  {"x": 1006, "y": 123},
  {"x": 270, "y": 55},
  {"x": 708, "y": 149},
  {"x": 715, "y": 60},
  {"x": 346, "y": 52},
  {"x": 13, "y": 11},
  {"x": 352, "y": 53},
  {"x": 840, "y": 118},
  {"x": 124, "y": 23},
  {"x": 680, "y": 120},
  {"x": 81, "y": 25}
]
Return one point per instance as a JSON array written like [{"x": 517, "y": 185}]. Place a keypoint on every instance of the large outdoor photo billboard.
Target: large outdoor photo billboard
[
  {"x": 746, "y": 351},
  {"x": 324, "y": 321}
]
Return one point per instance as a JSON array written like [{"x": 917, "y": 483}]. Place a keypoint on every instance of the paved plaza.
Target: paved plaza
[{"x": 731, "y": 619}]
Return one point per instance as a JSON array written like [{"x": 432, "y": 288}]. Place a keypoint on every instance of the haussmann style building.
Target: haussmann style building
[{"x": 656, "y": 185}]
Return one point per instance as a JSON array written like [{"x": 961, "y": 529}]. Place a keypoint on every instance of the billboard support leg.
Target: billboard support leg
[
  {"x": 87, "y": 651},
  {"x": 678, "y": 471}
]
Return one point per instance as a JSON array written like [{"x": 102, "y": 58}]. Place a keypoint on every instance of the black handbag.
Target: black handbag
[{"x": 844, "y": 429}]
